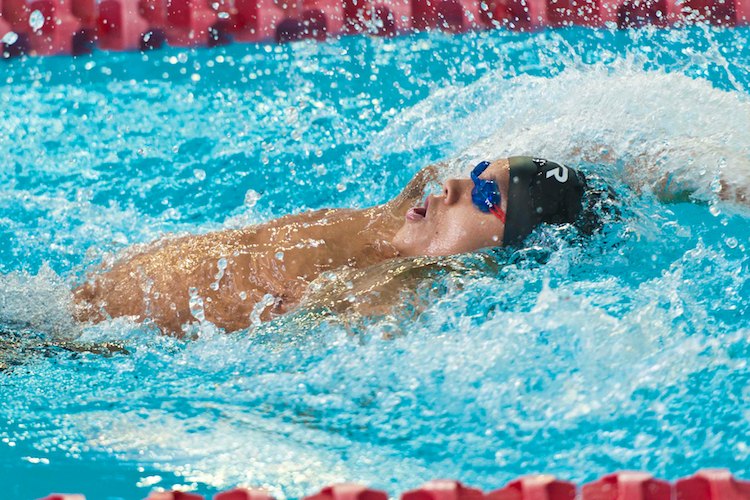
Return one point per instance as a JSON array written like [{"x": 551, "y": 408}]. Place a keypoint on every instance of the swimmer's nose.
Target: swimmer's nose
[{"x": 453, "y": 189}]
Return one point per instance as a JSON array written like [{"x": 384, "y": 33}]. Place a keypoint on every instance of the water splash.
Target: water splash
[{"x": 569, "y": 359}]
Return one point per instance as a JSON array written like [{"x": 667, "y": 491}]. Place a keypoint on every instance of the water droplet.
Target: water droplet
[
  {"x": 279, "y": 255},
  {"x": 715, "y": 211},
  {"x": 291, "y": 115},
  {"x": 267, "y": 300},
  {"x": 223, "y": 15},
  {"x": 251, "y": 197},
  {"x": 182, "y": 57},
  {"x": 195, "y": 303},
  {"x": 199, "y": 174},
  {"x": 731, "y": 242},
  {"x": 243, "y": 295},
  {"x": 221, "y": 264},
  {"x": 36, "y": 20},
  {"x": 10, "y": 38},
  {"x": 341, "y": 187}
]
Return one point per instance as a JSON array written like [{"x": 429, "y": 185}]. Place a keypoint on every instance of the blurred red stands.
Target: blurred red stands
[
  {"x": 627, "y": 486},
  {"x": 539, "y": 487},
  {"x": 443, "y": 490},
  {"x": 119, "y": 26},
  {"x": 188, "y": 22},
  {"x": 174, "y": 495},
  {"x": 709, "y": 484},
  {"x": 243, "y": 494},
  {"x": 639, "y": 13},
  {"x": 348, "y": 492},
  {"x": 718, "y": 12},
  {"x": 47, "y": 27},
  {"x": 712, "y": 485},
  {"x": 50, "y": 27}
]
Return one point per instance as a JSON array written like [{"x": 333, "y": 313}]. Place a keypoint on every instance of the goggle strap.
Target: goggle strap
[{"x": 498, "y": 213}]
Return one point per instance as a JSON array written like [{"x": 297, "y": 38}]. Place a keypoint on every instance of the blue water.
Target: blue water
[{"x": 627, "y": 352}]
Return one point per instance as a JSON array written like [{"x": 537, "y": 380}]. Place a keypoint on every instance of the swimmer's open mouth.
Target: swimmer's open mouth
[{"x": 418, "y": 213}]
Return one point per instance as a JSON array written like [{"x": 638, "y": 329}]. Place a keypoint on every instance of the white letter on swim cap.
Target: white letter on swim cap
[{"x": 560, "y": 173}]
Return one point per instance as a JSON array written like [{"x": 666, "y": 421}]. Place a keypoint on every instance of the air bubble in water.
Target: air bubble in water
[
  {"x": 10, "y": 38},
  {"x": 731, "y": 242},
  {"x": 715, "y": 210},
  {"x": 251, "y": 197},
  {"x": 36, "y": 20},
  {"x": 199, "y": 174}
]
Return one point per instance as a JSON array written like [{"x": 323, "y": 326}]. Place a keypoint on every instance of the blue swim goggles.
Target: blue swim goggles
[{"x": 485, "y": 194}]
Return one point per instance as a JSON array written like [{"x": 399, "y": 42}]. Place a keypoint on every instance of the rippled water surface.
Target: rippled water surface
[{"x": 628, "y": 352}]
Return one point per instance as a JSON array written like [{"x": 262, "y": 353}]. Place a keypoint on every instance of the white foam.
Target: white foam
[
  {"x": 41, "y": 301},
  {"x": 642, "y": 124}
]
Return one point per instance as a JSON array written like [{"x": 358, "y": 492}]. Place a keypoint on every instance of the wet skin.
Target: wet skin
[
  {"x": 450, "y": 223},
  {"x": 282, "y": 257}
]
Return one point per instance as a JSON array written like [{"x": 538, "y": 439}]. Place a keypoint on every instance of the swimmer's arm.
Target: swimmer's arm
[
  {"x": 643, "y": 172},
  {"x": 386, "y": 289},
  {"x": 684, "y": 186}
]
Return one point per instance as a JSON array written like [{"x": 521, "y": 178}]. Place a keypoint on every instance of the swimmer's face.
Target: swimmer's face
[{"x": 450, "y": 223}]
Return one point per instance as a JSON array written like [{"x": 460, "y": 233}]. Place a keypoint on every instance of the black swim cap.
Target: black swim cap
[{"x": 540, "y": 191}]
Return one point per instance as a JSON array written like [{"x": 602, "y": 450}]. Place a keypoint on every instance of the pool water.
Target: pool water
[{"x": 627, "y": 352}]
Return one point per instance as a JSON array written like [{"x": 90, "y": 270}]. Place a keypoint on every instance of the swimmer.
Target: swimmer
[{"x": 234, "y": 278}]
